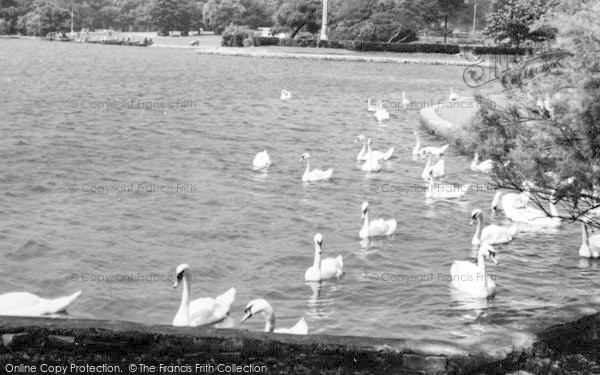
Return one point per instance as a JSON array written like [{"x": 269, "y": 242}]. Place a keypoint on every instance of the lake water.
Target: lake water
[{"x": 130, "y": 193}]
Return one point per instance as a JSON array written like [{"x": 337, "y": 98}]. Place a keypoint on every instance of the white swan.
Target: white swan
[
  {"x": 261, "y": 306},
  {"x": 372, "y": 164},
  {"x": 405, "y": 101},
  {"x": 200, "y": 311},
  {"x": 453, "y": 96},
  {"x": 375, "y": 228},
  {"x": 28, "y": 304},
  {"x": 381, "y": 114},
  {"x": 471, "y": 278},
  {"x": 438, "y": 169},
  {"x": 372, "y": 105},
  {"x": 261, "y": 161},
  {"x": 315, "y": 174},
  {"x": 285, "y": 95},
  {"x": 485, "y": 166},
  {"x": 439, "y": 191},
  {"x": 324, "y": 269},
  {"x": 491, "y": 234},
  {"x": 362, "y": 155},
  {"x": 430, "y": 150},
  {"x": 590, "y": 246},
  {"x": 515, "y": 207}
]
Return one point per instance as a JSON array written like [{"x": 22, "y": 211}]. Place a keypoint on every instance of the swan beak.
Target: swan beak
[
  {"x": 472, "y": 221},
  {"x": 301, "y": 158},
  {"x": 246, "y": 316},
  {"x": 493, "y": 258},
  {"x": 176, "y": 284}
]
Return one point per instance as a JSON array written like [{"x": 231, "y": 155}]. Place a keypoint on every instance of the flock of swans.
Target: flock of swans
[{"x": 468, "y": 277}]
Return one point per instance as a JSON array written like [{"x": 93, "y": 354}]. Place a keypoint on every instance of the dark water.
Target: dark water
[{"x": 125, "y": 195}]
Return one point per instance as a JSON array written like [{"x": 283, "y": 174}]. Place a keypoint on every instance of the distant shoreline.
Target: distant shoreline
[{"x": 308, "y": 53}]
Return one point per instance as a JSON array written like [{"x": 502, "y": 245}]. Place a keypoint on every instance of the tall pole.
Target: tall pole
[
  {"x": 324, "y": 21},
  {"x": 474, "y": 16},
  {"x": 445, "y": 27}
]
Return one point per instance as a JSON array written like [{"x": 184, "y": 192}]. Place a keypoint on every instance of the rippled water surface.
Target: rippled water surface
[{"x": 236, "y": 227}]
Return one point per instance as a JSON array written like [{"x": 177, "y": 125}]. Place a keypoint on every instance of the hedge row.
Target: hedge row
[
  {"x": 501, "y": 51},
  {"x": 357, "y": 45},
  {"x": 405, "y": 47}
]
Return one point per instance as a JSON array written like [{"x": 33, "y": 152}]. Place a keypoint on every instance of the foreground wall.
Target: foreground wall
[{"x": 33, "y": 342}]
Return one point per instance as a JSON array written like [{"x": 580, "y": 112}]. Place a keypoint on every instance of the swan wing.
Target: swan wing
[
  {"x": 300, "y": 328},
  {"x": 317, "y": 174},
  {"x": 210, "y": 310},
  {"x": 331, "y": 267},
  {"x": 380, "y": 227},
  {"x": 466, "y": 278},
  {"x": 29, "y": 304},
  {"x": 496, "y": 234}
]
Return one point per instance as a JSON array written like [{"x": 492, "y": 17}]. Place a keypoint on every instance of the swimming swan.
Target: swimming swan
[
  {"x": 200, "y": 311},
  {"x": 315, "y": 174},
  {"x": 515, "y": 207},
  {"x": 485, "y": 166},
  {"x": 375, "y": 228},
  {"x": 261, "y": 161},
  {"x": 590, "y": 246},
  {"x": 437, "y": 169},
  {"x": 372, "y": 164},
  {"x": 471, "y": 278},
  {"x": 285, "y": 95},
  {"x": 362, "y": 155},
  {"x": 28, "y": 304},
  {"x": 491, "y": 234},
  {"x": 445, "y": 191},
  {"x": 324, "y": 269},
  {"x": 453, "y": 96},
  {"x": 405, "y": 101},
  {"x": 430, "y": 150},
  {"x": 381, "y": 114},
  {"x": 261, "y": 306}
]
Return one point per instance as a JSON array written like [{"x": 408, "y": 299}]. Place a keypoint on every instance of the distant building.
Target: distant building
[{"x": 264, "y": 31}]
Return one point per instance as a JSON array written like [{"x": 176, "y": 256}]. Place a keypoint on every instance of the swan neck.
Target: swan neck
[
  {"x": 479, "y": 227},
  {"x": 481, "y": 266},
  {"x": 269, "y": 319},
  {"x": 317, "y": 262},
  {"x": 185, "y": 294},
  {"x": 307, "y": 166}
]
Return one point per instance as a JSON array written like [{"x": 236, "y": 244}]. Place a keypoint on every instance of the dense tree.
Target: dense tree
[
  {"x": 169, "y": 15},
  {"x": 299, "y": 14},
  {"x": 45, "y": 17},
  {"x": 513, "y": 21},
  {"x": 218, "y": 14},
  {"x": 546, "y": 140}
]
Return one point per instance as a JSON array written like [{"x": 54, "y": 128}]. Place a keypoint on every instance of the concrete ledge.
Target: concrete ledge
[
  {"x": 571, "y": 348},
  {"x": 254, "y": 52},
  {"x": 435, "y": 124}
]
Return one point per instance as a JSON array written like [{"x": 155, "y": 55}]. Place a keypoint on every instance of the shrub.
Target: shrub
[
  {"x": 265, "y": 41},
  {"x": 289, "y": 42},
  {"x": 234, "y": 35}
]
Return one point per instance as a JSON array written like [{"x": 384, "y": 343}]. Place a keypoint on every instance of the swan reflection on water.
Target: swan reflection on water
[{"x": 318, "y": 306}]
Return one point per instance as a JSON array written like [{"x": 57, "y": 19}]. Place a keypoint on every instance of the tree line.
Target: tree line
[{"x": 376, "y": 20}]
